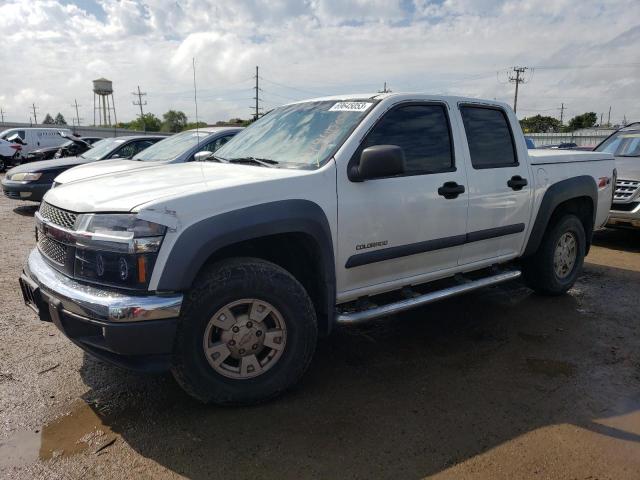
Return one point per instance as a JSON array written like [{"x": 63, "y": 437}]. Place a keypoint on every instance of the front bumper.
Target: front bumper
[
  {"x": 629, "y": 217},
  {"x": 24, "y": 191},
  {"x": 131, "y": 331}
]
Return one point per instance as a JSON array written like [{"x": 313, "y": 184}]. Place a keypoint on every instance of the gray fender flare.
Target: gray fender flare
[
  {"x": 582, "y": 186},
  {"x": 197, "y": 243}
]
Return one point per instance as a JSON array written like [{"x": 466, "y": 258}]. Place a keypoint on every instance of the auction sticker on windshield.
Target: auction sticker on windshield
[{"x": 350, "y": 107}]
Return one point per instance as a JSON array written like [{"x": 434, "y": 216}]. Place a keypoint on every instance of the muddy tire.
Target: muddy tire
[
  {"x": 246, "y": 334},
  {"x": 554, "y": 268}
]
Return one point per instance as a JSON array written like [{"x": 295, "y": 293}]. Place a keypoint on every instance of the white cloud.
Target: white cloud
[{"x": 55, "y": 48}]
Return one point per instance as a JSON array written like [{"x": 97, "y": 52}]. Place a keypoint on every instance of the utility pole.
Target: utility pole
[
  {"x": 140, "y": 103},
  {"x": 609, "y": 117},
  {"x": 385, "y": 89},
  {"x": 517, "y": 77},
  {"x": 75, "y": 103},
  {"x": 257, "y": 97},
  {"x": 2, "y": 115},
  {"x": 35, "y": 117},
  {"x": 561, "y": 113},
  {"x": 601, "y": 119}
]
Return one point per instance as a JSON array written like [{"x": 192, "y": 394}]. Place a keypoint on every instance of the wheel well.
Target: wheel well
[
  {"x": 300, "y": 255},
  {"x": 581, "y": 207}
]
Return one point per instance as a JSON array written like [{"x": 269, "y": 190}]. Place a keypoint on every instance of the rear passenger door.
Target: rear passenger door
[{"x": 499, "y": 185}]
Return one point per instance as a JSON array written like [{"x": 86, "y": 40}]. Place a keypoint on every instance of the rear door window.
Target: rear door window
[{"x": 489, "y": 137}]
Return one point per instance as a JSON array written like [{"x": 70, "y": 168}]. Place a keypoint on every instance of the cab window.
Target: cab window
[{"x": 489, "y": 137}]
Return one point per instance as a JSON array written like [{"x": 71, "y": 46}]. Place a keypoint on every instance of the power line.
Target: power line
[{"x": 518, "y": 78}]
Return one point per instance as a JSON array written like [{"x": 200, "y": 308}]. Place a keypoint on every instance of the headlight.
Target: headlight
[
  {"x": 116, "y": 249},
  {"x": 25, "y": 177}
]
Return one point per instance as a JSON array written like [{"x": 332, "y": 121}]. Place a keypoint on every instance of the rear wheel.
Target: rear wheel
[
  {"x": 554, "y": 268},
  {"x": 247, "y": 333}
]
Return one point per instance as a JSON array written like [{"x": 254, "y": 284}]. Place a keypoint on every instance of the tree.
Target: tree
[
  {"x": 540, "y": 124},
  {"x": 192, "y": 125},
  {"x": 60, "y": 119},
  {"x": 174, "y": 121},
  {"x": 148, "y": 122},
  {"x": 586, "y": 120},
  {"x": 48, "y": 120}
]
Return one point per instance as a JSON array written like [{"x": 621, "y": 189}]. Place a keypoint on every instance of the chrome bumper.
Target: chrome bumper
[
  {"x": 623, "y": 218},
  {"x": 98, "y": 303}
]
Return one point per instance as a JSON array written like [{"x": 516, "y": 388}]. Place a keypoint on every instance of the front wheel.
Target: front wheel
[
  {"x": 554, "y": 268},
  {"x": 247, "y": 333}
]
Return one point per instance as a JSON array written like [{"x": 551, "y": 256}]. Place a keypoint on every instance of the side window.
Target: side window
[
  {"x": 489, "y": 137},
  {"x": 130, "y": 149},
  {"x": 215, "y": 145},
  {"x": 22, "y": 134},
  {"x": 422, "y": 131}
]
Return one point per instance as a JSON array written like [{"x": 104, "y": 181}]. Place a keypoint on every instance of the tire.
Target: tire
[
  {"x": 232, "y": 287},
  {"x": 541, "y": 271}
]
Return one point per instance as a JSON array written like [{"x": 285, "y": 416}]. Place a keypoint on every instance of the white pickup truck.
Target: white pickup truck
[{"x": 329, "y": 211}]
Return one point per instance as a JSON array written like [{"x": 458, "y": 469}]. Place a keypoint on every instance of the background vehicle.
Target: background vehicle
[
  {"x": 31, "y": 180},
  {"x": 624, "y": 144},
  {"x": 530, "y": 144},
  {"x": 34, "y": 138},
  {"x": 91, "y": 140},
  {"x": 333, "y": 210},
  {"x": 9, "y": 153},
  {"x": 178, "y": 148},
  {"x": 73, "y": 147}
]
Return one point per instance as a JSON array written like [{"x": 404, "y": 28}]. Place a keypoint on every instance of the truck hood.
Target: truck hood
[
  {"x": 124, "y": 191},
  {"x": 628, "y": 168},
  {"x": 104, "y": 167}
]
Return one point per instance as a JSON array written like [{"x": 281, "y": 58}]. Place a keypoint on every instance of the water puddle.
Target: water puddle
[
  {"x": 552, "y": 368},
  {"x": 81, "y": 430}
]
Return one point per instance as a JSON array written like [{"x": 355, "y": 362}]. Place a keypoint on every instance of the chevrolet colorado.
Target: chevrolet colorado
[{"x": 329, "y": 211}]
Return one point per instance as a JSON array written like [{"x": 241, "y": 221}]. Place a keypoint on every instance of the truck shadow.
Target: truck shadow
[
  {"x": 410, "y": 396},
  {"x": 27, "y": 210},
  {"x": 626, "y": 240}
]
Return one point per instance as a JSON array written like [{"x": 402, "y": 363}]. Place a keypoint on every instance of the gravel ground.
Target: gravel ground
[{"x": 500, "y": 383}]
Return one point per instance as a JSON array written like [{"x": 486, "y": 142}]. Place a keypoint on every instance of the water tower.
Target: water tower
[{"x": 102, "y": 92}]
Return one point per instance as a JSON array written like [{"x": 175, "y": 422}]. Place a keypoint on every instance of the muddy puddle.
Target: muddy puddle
[{"x": 81, "y": 430}]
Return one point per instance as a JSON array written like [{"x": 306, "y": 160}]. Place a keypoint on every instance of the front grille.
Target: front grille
[
  {"x": 53, "y": 250},
  {"x": 625, "y": 190},
  {"x": 57, "y": 216}
]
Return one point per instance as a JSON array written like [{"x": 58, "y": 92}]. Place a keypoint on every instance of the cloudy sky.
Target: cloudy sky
[{"x": 585, "y": 53}]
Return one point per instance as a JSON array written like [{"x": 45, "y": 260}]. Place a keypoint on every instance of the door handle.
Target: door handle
[
  {"x": 517, "y": 182},
  {"x": 450, "y": 190}
]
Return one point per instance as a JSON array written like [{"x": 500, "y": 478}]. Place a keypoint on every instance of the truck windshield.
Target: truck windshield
[
  {"x": 622, "y": 144},
  {"x": 171, "y": 147},
  {"x": 301, "y": 135}
]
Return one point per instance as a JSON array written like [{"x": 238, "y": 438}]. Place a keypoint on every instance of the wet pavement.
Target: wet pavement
[{"x": 500, "y": 383}]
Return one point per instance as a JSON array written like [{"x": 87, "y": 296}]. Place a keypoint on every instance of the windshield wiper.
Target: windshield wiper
[
  {"x": 265, "y": 162},
  {"x": 218, "y": 159}
]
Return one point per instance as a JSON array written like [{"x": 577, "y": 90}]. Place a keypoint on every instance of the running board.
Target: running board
[{"x": 402, "y": 305}]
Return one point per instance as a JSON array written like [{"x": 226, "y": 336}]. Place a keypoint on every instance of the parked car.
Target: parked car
[
  {"x": 530, "y": 144},
  {"x": 181, "y": 147},
  {"x": 34, "y": 138},
  {"x": 9, "y": 152},
  {"x": 31, "y": 180},
  {"x": 624, "y": 144},
  {"x": 330, "y": 211},
  {"x": 92, "y": 140},
  {"x": 73, "y": 147}
]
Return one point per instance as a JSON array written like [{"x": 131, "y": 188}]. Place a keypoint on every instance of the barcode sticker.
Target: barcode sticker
[{"x": 350, "y": 107}]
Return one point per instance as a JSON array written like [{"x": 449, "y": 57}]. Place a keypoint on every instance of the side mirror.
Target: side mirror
[
  {"x": 377, "y": 162},
  {"x": 202, "y": 156}
]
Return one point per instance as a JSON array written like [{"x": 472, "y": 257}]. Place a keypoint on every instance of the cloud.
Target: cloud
[{"x": 316, "y": 47}]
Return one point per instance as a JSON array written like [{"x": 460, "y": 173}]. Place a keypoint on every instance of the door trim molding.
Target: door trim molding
[{"x": 399, "y": 251}]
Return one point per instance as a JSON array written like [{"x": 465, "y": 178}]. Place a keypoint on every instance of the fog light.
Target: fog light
[{"x": 25, "y": 194}]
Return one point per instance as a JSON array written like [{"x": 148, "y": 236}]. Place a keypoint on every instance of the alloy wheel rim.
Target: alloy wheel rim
[
  {"x": 245, "y": 338},
  {"x": 565, "y": 255}
]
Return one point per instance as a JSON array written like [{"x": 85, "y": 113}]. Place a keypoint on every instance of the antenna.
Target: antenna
[
  {"x": 385, "y": 89},
  {"x": 195, "y": 97}
]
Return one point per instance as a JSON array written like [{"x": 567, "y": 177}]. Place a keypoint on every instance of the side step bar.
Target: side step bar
[{"x": 402, "y": 305}]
